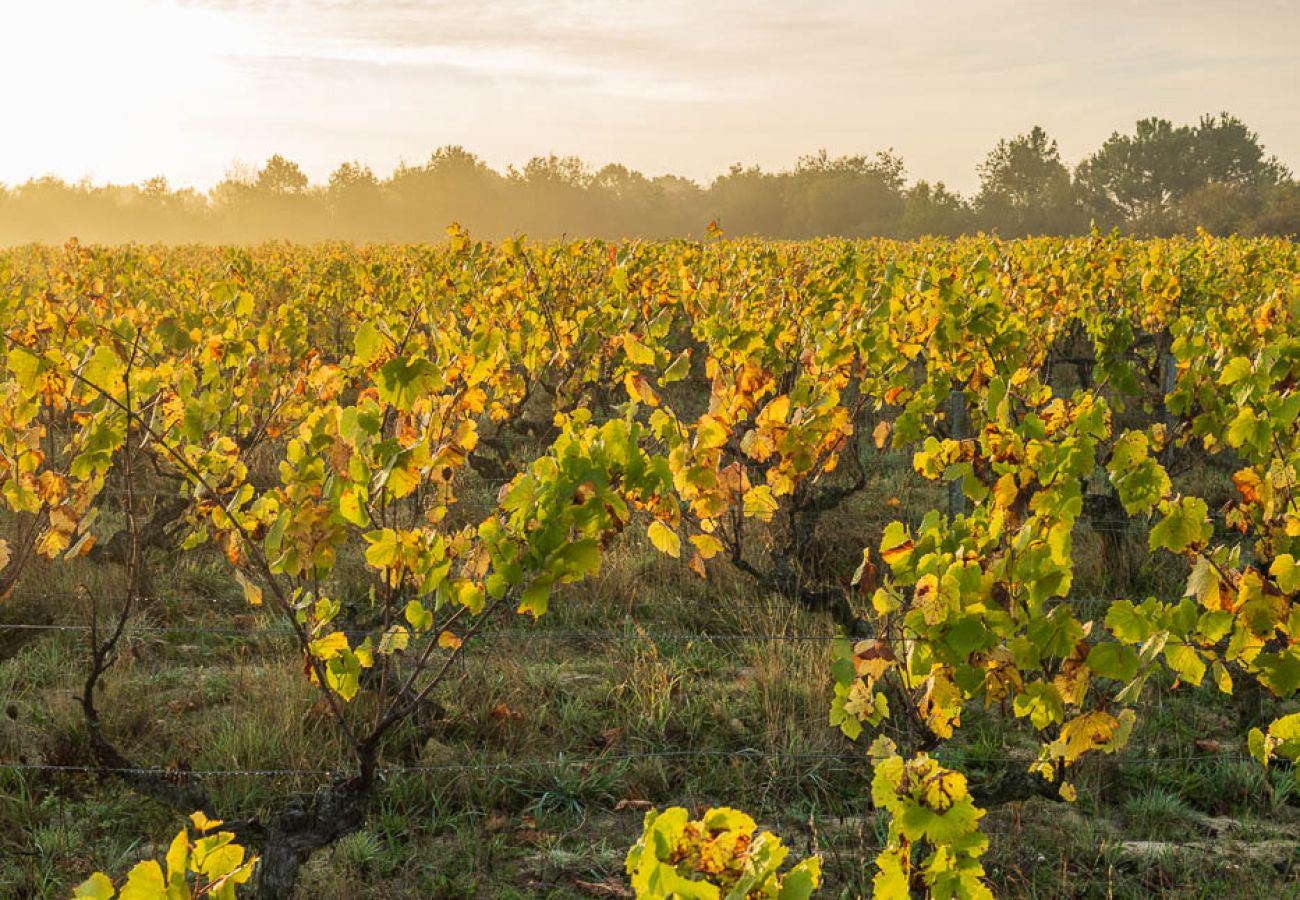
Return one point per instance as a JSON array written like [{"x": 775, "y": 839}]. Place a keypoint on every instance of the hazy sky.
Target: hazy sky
[{"x": 122, "y": 90}]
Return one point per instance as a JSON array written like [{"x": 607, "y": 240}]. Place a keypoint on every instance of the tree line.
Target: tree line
[{"x": 1159, "y": 179}]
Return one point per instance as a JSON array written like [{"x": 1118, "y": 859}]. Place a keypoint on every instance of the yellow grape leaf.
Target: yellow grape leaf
[
  {"x": 1068, "y": 792},
  {"x": 638, "y": 353},
  {"x": 707, "y": 545},
  {"x": 351, "y": 508},
  {"x": 710, "y": 433},
  {"x": 5, "y": 555},
  {"x": 52, "y": 488},
  {"x": 775, "y": 413},
  {"x": 1085, "y": 732},
  {"x": 96, "y": 887},
  {"x": 144, "y": 882},
  {"x": 202, "y": 823},
  {"x": 760, "y": 504},
  {"x": 1006, "y": 491},
  {"x": 178, "y": 856},
  {"x": 252, "y": 592},
  {"x": 53, "y": 542},
  {"x": 449, "y": 641},
  {"x": 664, "y": 539},
  {"x": 329, "y": 646},
  {"x": 395, "y": 640}
]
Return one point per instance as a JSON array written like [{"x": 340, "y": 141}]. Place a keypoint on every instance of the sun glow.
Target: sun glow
[{"x": 124, "y": 77}]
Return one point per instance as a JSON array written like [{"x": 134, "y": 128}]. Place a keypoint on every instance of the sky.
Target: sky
[{"x": 124, "y": 90}]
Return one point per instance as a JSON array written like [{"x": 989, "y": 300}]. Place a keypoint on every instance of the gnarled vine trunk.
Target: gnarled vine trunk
[{"x": 307, "y": 823}]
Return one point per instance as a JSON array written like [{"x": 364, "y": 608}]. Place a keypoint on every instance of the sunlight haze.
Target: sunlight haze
[{"x": 123, "y": 90}]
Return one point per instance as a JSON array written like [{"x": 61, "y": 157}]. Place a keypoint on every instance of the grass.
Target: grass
[{"x": 540, "y": 758}]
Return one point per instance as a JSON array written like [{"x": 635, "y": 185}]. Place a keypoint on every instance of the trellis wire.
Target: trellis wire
[{"x": 746, "y": 754}]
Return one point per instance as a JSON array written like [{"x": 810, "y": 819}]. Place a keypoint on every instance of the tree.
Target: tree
[
  {"x": 1137, "y": 180},
  {"x": 849, "y": 196},
  {"x": 1026, "y": 189},
  {"x": 747, "y": 201},
  {"x": 281, "y": 176},
  {"x": 355, "y": 199},
  {"x": 1227, "y": 152},
  {"x": 1281, "y": 214},
  {"x": 935, "y": 210}
]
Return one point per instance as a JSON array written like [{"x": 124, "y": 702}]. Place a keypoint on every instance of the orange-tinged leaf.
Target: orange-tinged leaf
[
  {"x": 1249, "y": 485},
  {"x": 53, "y": 542},
  {"x": 710, "y": 433},
  {"x": 449, "y": 641},
  {"x": 775, "y": 412},
  {"x": 880, "y": 435},
  {"x": 503, "y": 713},
  {"x": 696, "y": 565},
  {"x": 639, "y": 389},
  {"x": 51, "y": 487},
  {"x": 897, "y": 552}
]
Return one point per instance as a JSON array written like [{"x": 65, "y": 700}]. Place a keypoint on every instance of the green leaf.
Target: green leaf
[
  {"x": 1237, "y": 368},
  {"x": 966, "y": 636},
  {"x": 403, "y": 380},
  {"x": 420, "y": 618},
  {"x": 580, "y": 559},
  {"x": 1286, "y": 572},
  {"x": 1186, "y": 524},
  {"x": 104, "y": 369},
  {"x": 1257, "y": 744},
  {"x": 352, "y": 506},
  {"x": 1128, "y": 623},
  {"x": 383, "y": 548},
  {"x": 1247, "y": 429},
  {"x": 801, "y": 880},
  {"x": 1279, "y": 672},
  {"x": 680, "y": 368},
  {"x": 1041, "y": 703},
  {"x": 637, "y": 353},
  {"x": 368, "y": 342},
  {"x": 1115, "y": 661},
  {"x": 1185, "y": 661},
  {"x": 535, "y": 599}
]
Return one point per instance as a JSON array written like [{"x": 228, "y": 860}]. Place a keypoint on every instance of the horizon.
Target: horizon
[{"x": 665, "y": 90}]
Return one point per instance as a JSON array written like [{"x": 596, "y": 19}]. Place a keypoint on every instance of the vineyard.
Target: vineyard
[{"x": 968, "y": 568}]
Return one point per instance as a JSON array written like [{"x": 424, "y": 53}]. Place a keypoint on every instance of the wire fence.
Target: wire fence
[{"x": 740, "y": 754}]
